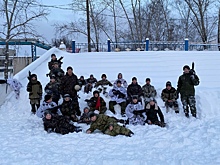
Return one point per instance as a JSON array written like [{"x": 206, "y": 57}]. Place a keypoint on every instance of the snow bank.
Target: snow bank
[{"x": 185, "y": 141}]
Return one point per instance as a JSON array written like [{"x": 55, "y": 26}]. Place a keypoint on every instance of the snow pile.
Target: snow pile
[{"x": 184, "y": 141}]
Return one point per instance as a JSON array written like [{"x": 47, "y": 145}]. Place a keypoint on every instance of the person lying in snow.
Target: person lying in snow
[
  {"x": 58, "y": 124},
  {"x": 107, "y": 125}
]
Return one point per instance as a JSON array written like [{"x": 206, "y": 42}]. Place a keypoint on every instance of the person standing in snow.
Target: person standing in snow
[
  {"x": 152, "y": 110},
  {"x": 169, "y": 96},
  {"x": 48, "y": 105},
  {"x": 68, "y": 83},
  {"x": 118, "y": 96},
  {"x": 53, "y": 88},
  {"x": 149, "y": 91},
  {"x": 134, "y": 112},
  {"x": 14, "y": 84},
  {"x": 123, "y": 81},
  {"x": 34, "y": 88},
  {"x": 107, "y": 125},
  {"x": 57, "y": 71},
  {"x": 53, "y": 60},
  {"x": 185, "y": 87}
]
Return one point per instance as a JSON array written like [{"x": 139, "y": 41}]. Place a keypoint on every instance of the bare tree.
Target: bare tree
[
  {"x": 201, "y": 18},
  {"x": 19, "y": 16}
]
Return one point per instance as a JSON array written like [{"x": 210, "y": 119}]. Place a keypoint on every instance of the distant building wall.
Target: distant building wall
[{"x": 20, "y": 63}]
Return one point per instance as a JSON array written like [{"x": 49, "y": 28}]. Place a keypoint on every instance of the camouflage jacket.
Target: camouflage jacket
[
  {"x": 51, "y": 63},
  {"x": 58, "y": 72},
  {"x": 102, "y": 123},
  {"x": 91, "y": 81},
  {"x": 103, "y": 82},
  {"x": 53, "y": 89},
  {"x": 34, "y": 88},
  {"x": 186, "y": 84},
  {"x": 149, "y": 91},
  {"x": 69, "y": 108},
  {"x": 169, "y": 94}
]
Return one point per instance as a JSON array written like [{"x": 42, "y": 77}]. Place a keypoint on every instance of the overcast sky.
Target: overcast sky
[{"x": 56, "y": 15}]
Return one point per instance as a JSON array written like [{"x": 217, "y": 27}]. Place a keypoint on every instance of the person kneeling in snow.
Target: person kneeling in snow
[
  {"x": 152, "y": 109},
  {"x": 58, "y": 124},
  {"x": 108, "y": 125},
  {"x": 49, "y": 105}
]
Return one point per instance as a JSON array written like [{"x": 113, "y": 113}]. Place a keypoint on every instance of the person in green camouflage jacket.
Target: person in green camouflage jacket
[
  {"x": 103, "y": 81},
  {"x": 185, "y": 87},
  {"x": 34, "y": 88},
  {"x": 107, "y": 125}
]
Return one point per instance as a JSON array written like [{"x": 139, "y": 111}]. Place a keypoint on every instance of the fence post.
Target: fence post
[
  {"x": 109, "y": 45},
  {"x": 73, "y": 46},
  {"x": 186, "y": 44},
  {"x": 147, "y": 44}
]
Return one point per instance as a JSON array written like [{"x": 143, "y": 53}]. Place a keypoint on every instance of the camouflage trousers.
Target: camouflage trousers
[
  {"x": 117, "y": 130},
  {"x": 34, "y": 103},
  {"x": 189, "y": 101}
]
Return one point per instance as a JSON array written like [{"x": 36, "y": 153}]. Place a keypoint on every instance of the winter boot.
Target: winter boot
[
  {"x": 77, "y": 129},
  {"x": 130, "y": 134},
  {"x": 194, "y": 115},
  {"x": 187, "y": 115},
  {"x": 33, "y": 109}
]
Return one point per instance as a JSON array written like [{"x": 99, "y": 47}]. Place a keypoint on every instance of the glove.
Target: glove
[
  {"x": 135, "y": 112},
  {"x": 78, "y": 113},
  {"x": 192, "y": 72},
  {"x": 192, "y": 77},
  {"x": 162, "y": 124},
  {"x": 121, "y": 95}
]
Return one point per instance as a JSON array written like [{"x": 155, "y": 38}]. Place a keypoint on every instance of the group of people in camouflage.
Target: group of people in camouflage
[{"x": 138, "y": 104}]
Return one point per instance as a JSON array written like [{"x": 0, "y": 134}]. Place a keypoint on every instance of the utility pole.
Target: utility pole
[
  {"x": 219, "y": 29},
  {"x": 88, "y": 25}
]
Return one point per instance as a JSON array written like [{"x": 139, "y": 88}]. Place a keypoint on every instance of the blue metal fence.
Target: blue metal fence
[{"x": 146, "y": 45}]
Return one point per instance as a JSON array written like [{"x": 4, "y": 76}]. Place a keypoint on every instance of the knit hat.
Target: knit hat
[
  {"x": 47, "y": 112},
  {"x": 95, "y": 92},
  {"x": 147, "y": 79},
  {"x": 119, "y": 81},
  {"x": 33, "y": 75},
  {"x": 104, "y": 75},
  {"x": 135, "y": 97},
  {"x": 53, "y": 55},
  {"x": 92, "y": 115},
  {"x": 186, "y": 67},
  {"x": 66, "y": 95},
  {"x": 91, "y": 75},
  {"x": 134, "y": 78},
  {"x": 151, "y": 99},
  {"x": 168, "y": 83},
  {"x": 47, "y": 97},
  {"x": 69, "y": 67}
]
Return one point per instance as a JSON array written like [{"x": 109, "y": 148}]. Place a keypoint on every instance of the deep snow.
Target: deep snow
[{"x": 184, "y": 142}]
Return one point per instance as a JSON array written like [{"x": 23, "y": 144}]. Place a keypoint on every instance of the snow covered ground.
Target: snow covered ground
[{"x": 184, "y": 142}]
